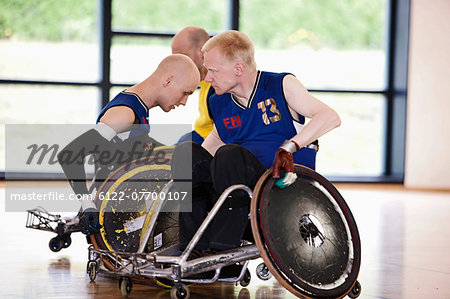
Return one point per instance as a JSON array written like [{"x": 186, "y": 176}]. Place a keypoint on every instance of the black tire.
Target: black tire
[
  {"x": 125, "y": 286},
  {"x": 67, "y": 240},
  {"x": 56, "y": 244},
  {"x": 245, "y": 281},
  {"x": 180, "y": 291},
  {"x": 92, "y": 270},
  {"x": 356, "y": 290},
  {"x": 263, "y": 272}
]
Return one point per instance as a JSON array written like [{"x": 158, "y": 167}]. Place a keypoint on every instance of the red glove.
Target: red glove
[{"x": 283, "y": 158}]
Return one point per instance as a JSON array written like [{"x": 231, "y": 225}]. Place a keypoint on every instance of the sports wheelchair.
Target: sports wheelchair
[{"x": 305, "y": 233}]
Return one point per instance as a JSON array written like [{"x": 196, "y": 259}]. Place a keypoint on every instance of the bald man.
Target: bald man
[
  {"x": 169, "y": 86},
  {"x": 126, "y": 117},
  {"x": 189, "y": 41}
]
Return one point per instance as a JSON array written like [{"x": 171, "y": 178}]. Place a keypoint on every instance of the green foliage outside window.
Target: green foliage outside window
[
  {"x": 343, "y": 24},
  {"x": 51, "y": 20}
]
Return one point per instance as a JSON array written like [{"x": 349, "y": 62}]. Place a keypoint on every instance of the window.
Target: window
[
  {"x": 356, "y": 148},
  {"x": 329, "y": 44},
  {"x": 134, "y": 58},
  {"x": 49, "y": 40},
  {"x": 350, "y": 54}
]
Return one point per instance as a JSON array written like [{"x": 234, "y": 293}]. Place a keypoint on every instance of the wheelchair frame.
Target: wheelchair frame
[{"x": 163, "y": 264}]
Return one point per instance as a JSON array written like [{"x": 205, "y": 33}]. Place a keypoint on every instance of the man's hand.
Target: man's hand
[
  {"x": 284, "y": 160},
  {"x": 89, "y": 222}
]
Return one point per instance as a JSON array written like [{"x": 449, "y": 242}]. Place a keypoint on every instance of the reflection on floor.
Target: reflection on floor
[{"x": 405, "y": 240}]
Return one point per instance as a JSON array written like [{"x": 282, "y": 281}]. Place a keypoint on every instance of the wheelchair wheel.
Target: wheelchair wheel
[
  {"x": 123, "y": 198},
  {"x": 165, "y": 233},
  {"x": 306, "y": 235},
  {"x": 67, "y": 240},
  {"x": 56, "y": 244}
]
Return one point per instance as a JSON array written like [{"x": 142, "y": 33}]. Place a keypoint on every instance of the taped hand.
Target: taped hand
[{"x": 284, "y": 160}]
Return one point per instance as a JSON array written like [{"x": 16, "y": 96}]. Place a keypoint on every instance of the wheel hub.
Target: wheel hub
[{"x": 311, "y": 230}]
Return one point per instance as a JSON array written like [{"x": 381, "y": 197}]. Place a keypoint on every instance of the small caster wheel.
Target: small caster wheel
[
  {"x": 67, "y": 240},
  {"x": 263, "y": 272},
  {"x": 92, "y": 270},
  {"x": 245, "y": 281},
  {"x": 125, "y": 286},
  {"x": 55, "y": 244},
  {"x": 356, "y": 290},
  {"x": 180, "y": 291}
]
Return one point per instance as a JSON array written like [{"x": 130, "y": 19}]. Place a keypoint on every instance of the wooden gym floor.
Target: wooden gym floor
[{"x": 405, "y": 237}]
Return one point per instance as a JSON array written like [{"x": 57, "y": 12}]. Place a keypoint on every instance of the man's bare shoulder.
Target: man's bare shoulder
[{"x": 120, "y": 118}]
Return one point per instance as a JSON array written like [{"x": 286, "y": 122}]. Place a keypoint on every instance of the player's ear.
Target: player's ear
[
  {"x": 200, "y": 53},
  {"x": 168, "y": 80},
  {"x": 239, "y": 68}
]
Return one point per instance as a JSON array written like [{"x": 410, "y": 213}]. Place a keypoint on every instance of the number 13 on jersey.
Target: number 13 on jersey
[{"x": 272, "y": 105}]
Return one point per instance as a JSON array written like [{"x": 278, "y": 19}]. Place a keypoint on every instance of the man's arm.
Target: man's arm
[
  {"x": 322, "y": 118},
  {"x": 72, "y": 156},
  {"x": 115, "y": 120},
  {"x": 212, "y": 142},
  {"x": 94, "y": 140},
  {"x": 120, "y": 118}
]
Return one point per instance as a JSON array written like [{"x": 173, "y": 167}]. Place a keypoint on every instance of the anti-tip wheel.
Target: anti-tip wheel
[
  {"x": 263, "y": 272},
  {"x": 245, "y": 281},
  {"x": 356, "y": 290},
  {"x": 180, "y": 291},
  {"x": 125, "y": 286},
  {"x": 92, "y": 270},
  {"x": 56, "y": 244},
  {"x": 67, "y": 240}
]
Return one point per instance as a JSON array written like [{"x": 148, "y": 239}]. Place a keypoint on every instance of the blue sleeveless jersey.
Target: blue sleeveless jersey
[
  {"x": 264, "y": 124},
  {"x": 134, "y": 102}
]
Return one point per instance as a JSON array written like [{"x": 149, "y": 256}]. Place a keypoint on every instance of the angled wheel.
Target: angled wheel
[
  {"x": 122, "y": 218},
  {"x": 314, "y": 249},
  {"x": 122, "y": 202},
  {"x": 116, "y": 215}
]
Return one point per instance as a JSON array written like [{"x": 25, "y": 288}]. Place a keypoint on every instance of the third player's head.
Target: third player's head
[{"x": 189, "y": 41}]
